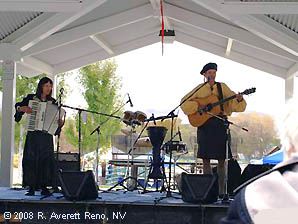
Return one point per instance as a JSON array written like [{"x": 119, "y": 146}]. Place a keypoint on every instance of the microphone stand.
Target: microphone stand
[
  {"x": 169, "y": 193},
  {"x": 97, "y": 148},
  {"x": 80, "y": 112},
  {"x": 171, "y": 114},
  {"x": 97, "y": 130},
  {"x": 227, "y": 123},
  {"x": 129, "y": 176},
  {"x": 172, "y": 111},
  {"x": 143, "y": 129}
]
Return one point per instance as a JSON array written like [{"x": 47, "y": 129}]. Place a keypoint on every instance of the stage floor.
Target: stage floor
[{"x": 112, "y": 207}]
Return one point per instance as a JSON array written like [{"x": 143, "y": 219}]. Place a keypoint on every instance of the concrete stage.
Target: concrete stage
[{"x": 114, "y": 207}]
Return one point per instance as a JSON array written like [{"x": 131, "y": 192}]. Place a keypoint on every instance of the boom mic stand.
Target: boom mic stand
[
  {"x": 156, "y": 138},
  {"x": 227, "y": 123},
  {"x": 171, "y": 114},
  {"x": 129, "y": 177},
  {"x": 169, "y": 193},
  {"x": 187, "y": 98},
  {"x": 97, "y": 130},
  {"x": 80, "y": 112}
]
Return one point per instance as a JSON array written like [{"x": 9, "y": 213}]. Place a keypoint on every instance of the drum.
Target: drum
[
  {"x": 139, "y": 118},
  {"x": 128, "y": 117},
  {"x": 156, "y": 135},
  {"x": 144, "y": 142},
  {"x": 176, "y": 147}
]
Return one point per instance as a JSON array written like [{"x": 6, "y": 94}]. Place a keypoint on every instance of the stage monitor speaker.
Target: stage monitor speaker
[
  {"x": 69, "y": 165},
  {"x": 68, "y": 161},
  {"x": 77, "y": 186},
  {"x": 253, "y": 170},
  {"x": 199, "y": 188}
]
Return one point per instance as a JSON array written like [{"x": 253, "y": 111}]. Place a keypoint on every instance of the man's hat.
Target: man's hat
[{"x": 208, "y": 67}]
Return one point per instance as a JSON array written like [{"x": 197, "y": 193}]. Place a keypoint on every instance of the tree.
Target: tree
[
  {"x": 261, "y": 135},
  {"x": 189, "y": 136},
  {"x": 62, "y": 84},
  {"x": 100, "y": 90}
]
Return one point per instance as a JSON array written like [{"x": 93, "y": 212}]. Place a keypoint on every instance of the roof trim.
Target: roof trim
[
  {"x": 259, "y": 7},
  {"x": 54, "y": 24},
  {"x": 96, "y": 27}
]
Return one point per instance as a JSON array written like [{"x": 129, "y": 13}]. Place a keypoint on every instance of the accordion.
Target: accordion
[{"x": 44, "y": 117}]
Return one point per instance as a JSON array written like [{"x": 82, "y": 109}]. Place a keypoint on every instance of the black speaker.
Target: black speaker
[
  {"x": 199, "y": 188},
  {"x": 69, "y": 165},
  {"x": 77, "y": 186},
  {"x": 252, "y": 170},
  {"x": 68, "y": 161}
]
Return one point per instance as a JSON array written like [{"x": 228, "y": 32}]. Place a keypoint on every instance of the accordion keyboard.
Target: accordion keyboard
[{"x": 36, "y": 117}]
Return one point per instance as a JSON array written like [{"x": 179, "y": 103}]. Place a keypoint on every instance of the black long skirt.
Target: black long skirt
[
  {"x": 212, "y": 137},
  {"x": 38, "y": 160}
]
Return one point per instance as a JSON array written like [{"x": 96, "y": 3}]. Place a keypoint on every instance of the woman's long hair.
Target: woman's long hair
[{"x": 43, "y": 81}]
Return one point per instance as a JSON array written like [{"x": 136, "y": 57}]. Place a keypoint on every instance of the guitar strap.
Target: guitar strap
[{"x": 220, "y": 96}]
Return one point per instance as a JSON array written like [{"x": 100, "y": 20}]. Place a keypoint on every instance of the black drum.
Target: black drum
[{"x": 156, "y": 134}]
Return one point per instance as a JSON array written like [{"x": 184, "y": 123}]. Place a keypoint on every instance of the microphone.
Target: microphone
[
  {"x": 208, "y": 81},
  {"x": 61, "y": 90},
  {"x": 179, "y": 133},
  {"x": 129, "y": 100}
]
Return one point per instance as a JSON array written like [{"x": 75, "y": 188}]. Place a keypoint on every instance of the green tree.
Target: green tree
[
  {"x": 100, "y": 90},
  {"x": 61, "y": 81}
]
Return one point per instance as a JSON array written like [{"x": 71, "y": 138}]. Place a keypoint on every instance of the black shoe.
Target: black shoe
[
  {"x": 221, "y": 197},
  {"x": 44, "y": 191},
  {"x": 31, "y": 192},
  {"x": 56, "y": 190}
]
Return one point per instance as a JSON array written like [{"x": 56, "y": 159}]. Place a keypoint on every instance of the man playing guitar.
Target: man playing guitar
[{"x": 211, "y": 132}]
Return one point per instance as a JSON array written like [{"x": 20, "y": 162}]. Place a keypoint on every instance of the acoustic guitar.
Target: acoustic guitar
[{"x": 210, "y": 104}]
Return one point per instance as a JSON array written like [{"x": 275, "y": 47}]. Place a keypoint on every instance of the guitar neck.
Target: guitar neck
[{"x": 223, "y": 101}]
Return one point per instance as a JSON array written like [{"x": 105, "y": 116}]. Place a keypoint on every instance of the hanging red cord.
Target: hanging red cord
[{"x": 162, "y": 27}]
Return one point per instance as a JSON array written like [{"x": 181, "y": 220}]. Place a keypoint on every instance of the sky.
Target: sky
[{"x": 157, "y": 83}]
